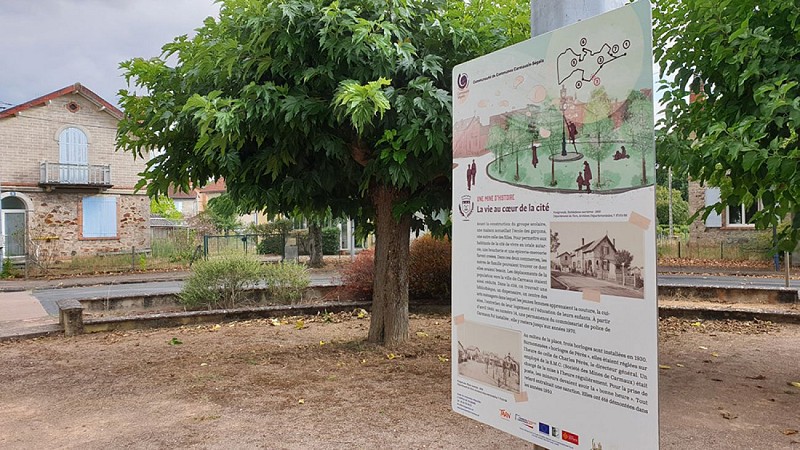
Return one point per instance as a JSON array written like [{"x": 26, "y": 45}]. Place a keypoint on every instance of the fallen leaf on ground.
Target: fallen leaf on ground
[
  {"x": 728, "y": 415},
  {"x": 275, "y": 322},
  {"x": 789, "y": 432},
  {"x": 664, "y": 366},
  {"x": 422, "y": 334},
  {"x": 697, "y": 324},
  {"x": 443, "y": 358},
  {"x": 715, "y": 354},
  {"x": 757, "y": 377},
  {"x": 391, "y": 356},
  {"x": 300, "y": 324},
  {"x": 301, "y": 401},
  {"x": 679, "y": 365},
  {"x": 174, "y": 341},
  {"x": 321, "y": 342},
  {"x": 795, "y": 384},
  {"x": 361, "y": 313},
  {"x": 702, "y": 347}
]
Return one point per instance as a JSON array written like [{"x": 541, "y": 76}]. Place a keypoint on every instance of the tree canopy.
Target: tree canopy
[
  {"x": 305, "y": 105},
  {"x": 739, "y": 61}
]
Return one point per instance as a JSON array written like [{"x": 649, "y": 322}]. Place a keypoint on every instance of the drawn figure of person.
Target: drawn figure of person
[
  {"x": 573, "y": 131},
  {"x": 534, "y": 156},
  {"x": 474, "y": 172},
  {"x": 469, "y": 177},
  {"x": 580, "y": 181},
  {"x": 587, "y": 177},
  {"x": 621, "y": 154}
]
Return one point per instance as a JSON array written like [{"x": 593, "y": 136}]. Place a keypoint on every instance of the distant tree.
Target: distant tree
[
  {"x": 222, "y": 211},
  {"x": 164, "y": 206},
  {"x": 680, "y": 207},
  {"x": 738, "y": 61}
]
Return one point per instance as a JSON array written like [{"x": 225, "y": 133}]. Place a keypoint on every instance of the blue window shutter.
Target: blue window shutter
[
  {"x": 713, "y": 220},
  {"x": 99, "y": 217}
]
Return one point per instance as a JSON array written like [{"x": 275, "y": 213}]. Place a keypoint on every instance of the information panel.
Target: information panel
[{"x": 554, "y": 281}]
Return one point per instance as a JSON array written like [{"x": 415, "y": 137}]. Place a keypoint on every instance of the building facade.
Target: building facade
[{"x": 66, "y": 192}]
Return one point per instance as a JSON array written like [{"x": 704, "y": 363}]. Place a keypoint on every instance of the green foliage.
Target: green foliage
[
  {"x": 178, "y": 247},
  {"x": 286, "y": 281},
  {"x": 8, "y": 270},
  {"x": 430, "y": 268},
  {"x": 220, "y": 283},
  {"x": 740, "y": 60},
  {"x": 680, "y": 207},
  {"x": 164, "y": 206},
  {"x": 272, "y": 236},
  {"x": 270, "y": 244},
  {"x": 330, "y": 240},
  {"x": 222, "y": 211}
]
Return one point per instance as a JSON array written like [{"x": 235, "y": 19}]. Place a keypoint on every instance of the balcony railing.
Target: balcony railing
[{"x": 75, "y": 175}]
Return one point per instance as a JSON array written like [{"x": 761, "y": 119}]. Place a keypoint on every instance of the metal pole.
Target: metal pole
[
  {"x": 786, "y": 263},
  {"x": 352, "y": 236},
  {"x": 669, "y": 184}
]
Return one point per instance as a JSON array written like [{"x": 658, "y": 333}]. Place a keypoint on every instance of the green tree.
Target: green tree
[
  {"x": 309, "y": 104},
  {"x": 165, "y": 207},
  {"x": 598, "y": 128},
  {"x": 499, "y": 143},
  {"x": 223, "y": 213},
  {"x": 638, "y": 128},
  {"x": 520, "y": 136},
  {"x": 738, "y": 61},
  {"x": 680, "y": 207}
]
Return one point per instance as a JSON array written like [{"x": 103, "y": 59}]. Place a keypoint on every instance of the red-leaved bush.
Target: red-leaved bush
[
  {"x": 429, "y": 269},
  {"x": 357, "y": 277}
]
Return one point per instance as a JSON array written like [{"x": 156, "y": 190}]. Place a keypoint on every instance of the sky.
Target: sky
[{"x": 50, "y": 44}]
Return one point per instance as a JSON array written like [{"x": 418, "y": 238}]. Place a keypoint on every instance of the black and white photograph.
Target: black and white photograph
[
  {"x": 600, "y": 256},
  {"x": 490, "y": 355}
]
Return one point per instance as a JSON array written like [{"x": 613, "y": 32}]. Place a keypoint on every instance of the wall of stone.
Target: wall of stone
[{"x": 55, "y": 225}]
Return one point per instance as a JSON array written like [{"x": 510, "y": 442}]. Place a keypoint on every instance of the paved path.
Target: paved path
[{"x": 33, "y": 301}]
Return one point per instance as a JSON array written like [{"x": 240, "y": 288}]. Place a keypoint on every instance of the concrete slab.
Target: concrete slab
[{"x": 15, "y": 306}]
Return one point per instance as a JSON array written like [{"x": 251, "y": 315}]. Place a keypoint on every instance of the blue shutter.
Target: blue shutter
[{"x": 99, "y": 217}]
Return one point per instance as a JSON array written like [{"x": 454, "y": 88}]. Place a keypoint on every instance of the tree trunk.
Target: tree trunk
[
  {"x": 315, "y": 244},
  {"x": 389, "y": 321},
  {"x": 644, "y": 170}
]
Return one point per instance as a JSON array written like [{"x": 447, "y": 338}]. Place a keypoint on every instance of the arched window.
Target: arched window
[{"x": 73, "y": 155}]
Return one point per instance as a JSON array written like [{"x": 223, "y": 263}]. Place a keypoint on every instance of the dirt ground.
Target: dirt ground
[{"x": 316, "y": 384}]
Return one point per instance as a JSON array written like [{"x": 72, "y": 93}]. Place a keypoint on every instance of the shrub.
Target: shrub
[
  {"x": 286, "y": 281},
  {"x": 220, "y": 283},
  {"x": 357, "y": 277},
  {"x": 270, "y": 244},
  {"x": 429, "y": 268},
  {"x": 330, "y": 241}
]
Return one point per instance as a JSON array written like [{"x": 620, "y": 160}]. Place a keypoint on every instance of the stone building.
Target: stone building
[
  {"x": 65, "y": 191},
  {"x": 732, "y": 225}
]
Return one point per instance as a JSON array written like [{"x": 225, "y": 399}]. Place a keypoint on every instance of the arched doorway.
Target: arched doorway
[{"x": 14, "y": 225}]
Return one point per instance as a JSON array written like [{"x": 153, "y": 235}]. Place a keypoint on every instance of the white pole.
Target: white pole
[
  {"x": 548, "y": 15},
  {"x": 2, "y": 230},
  {"x": 669, "y": 183},
  {"x": 351, "y": 235}
]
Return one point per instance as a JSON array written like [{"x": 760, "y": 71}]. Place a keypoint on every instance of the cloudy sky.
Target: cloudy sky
[{"x": 51, "y": 44}]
